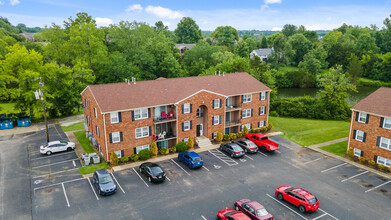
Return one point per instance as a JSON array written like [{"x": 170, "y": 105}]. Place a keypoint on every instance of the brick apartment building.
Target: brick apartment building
[
  {"x": 127, "y": 117},
  {"x": 370, "y": 127}
]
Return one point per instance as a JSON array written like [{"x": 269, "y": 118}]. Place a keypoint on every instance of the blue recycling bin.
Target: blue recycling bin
[
  {"x": 24, "y": 121},
  {"x": 6, "y": 123}
]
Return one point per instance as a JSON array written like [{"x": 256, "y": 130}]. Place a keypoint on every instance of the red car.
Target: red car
[
  {"x": 262, "y": 141},
  {"x": 298, "y": 197},
  {"x": 231, "y": 214},
  {"x": 253, "y": 209}
]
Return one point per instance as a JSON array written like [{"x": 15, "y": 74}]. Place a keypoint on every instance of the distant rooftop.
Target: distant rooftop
[{"x": 263, "y": 51}]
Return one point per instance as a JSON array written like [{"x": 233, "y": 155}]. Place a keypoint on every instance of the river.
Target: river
[{"x": 363, "y": 92}]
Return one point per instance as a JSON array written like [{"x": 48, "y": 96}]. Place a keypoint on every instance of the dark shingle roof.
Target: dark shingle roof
[
  {"x": 121, "y": 96},
  {"x": 263, "y": 51},
  {"x": 376, "y": 103}
]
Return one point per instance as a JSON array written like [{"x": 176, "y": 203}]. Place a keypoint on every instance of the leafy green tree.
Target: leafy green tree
[
  {"x": 188, "y": 31},
  {"x": 226, "y": 36},
  {"x": 289, "y": 30},
  {"x": 199, "y": 58},
  {"x": 281, "y": 50},
  {"x": 310, "y": 64},
  {"x": 301, "y": 45},
  {"x": 264, "y": 42},
  {"x": 154, "y": 149},
  {"x": 354, "y": 69},
  {"x": 242, "y": 49}
]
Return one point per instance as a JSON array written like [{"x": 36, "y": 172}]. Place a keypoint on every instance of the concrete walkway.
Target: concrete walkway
[
  {"x": 70, "y": 120},
  {"x": 328, "y": 143}
]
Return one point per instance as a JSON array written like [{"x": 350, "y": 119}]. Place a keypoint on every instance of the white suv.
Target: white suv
[{"x": 57, "y": 146}]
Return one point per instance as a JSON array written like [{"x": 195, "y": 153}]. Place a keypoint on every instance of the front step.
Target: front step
[{"x": 203, "y": 142}]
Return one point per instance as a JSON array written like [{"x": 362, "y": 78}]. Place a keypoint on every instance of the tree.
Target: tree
[
  {"x": 354, "y": 69},
  {"x": 264, "y": 42},
  {"x": 242, "y": 49},
  {"x": 310, "y": 64},
  {"x": 154, "y": 149},
  {"x": 289, "y": 30},
  {"x": 159, "y": 26},
  {"x": 190, "y": 142},
  {"x": 226, "y": 36},
  {"x": 245, "y": 131},
  {"x": 188, "y": 31},
  {"x": 219, "y": 136},
  {"x": 300, "y": 45}
]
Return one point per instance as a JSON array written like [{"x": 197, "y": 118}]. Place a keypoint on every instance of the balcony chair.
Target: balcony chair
[
  {"x": 171, "y": 114},
  {"x": 164, "y": 116}
]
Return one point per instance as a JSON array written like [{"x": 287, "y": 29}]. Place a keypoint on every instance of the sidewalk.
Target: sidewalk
[{"x": 328, "y": 143}]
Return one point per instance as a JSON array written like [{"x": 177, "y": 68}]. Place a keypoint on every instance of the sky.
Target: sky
[{"x": 208, "y": 14}]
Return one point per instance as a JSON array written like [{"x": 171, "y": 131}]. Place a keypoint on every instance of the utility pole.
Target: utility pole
[{"x": 44, "y": 109}]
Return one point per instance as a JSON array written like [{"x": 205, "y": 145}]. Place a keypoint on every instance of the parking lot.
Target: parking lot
[{"x": 344, "y": 191}]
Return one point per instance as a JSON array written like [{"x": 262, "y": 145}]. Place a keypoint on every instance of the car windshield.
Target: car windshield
[
  {"x": 197, "y": 159},
  {"x": 251, "y": 144},
  {"x": 105, "y": 179},
  {"x": 156, "y": 170},
  {"x": 236, "y": 148},
  {"x": 63, "y": 142},
  {"x": 312, "y": 200},
  {"x": 230, "y": 213},
  {"x": 262, "y": 212}
]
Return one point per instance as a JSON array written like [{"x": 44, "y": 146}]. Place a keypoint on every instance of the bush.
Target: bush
[
  {"x": 355, "y": 158},
  {"x": 124, "y": 159},
  {"x": 238, "y": 135},
  {"x": 371, "y": 163},
  {"x": 258, "y": 130},
  {"x": 173, "y": 149},
  {"x": 181, "y": 146},
  {"x": 144, "y": 154},
  {"x": 164, "y": 151},
  {"x": 273, "y": 114},
  {"x": 269, "y": 126},
  {"x": 190, "y": 142},
  {"x": 245, "y": 131},
  {"x": 134, "y": 157},
  {"x": 219, "y": 136},
  {"x": 351, "y": 152},
  {"x": 113, "y": 158},
  {"x": 154, "y": 149},
  {"x": 252, "y": 130},
  {"x": 389, "y": 169},
  {"x": 382, "y": 167},
  {"x": 226, "y": 137},
  {"x": 232, "y": 136},
  {"x": 361, "y": 159},
  {"x": 263, "y": 129}
]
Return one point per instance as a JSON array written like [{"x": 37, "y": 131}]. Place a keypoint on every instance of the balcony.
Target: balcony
[
  {"x": 165, "y": 136},
  {"x": 159, "y": 120},
  {"x": 232, "y": 108},
  {"x": 232, "y": 123}
]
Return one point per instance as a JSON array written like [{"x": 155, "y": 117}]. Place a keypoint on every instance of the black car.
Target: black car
[
  {"x": 103, "y": 182},
  {"x": 153, "y": 171},
  {"x": 246, "y": 145},
  {"x": 232, "y": 149}
]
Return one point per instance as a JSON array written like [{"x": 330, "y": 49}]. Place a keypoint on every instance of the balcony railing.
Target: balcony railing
[
  {"x": 164, "y": 136},
  {"x": 163, "y": 120},
  {"x": 232, "y": 123},
  {"x": 232, "y": 108}
]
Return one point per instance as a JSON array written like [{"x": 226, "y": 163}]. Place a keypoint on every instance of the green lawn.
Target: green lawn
[
  {"x": 83, "y": 140},
  {"x": 93, "y": 168},
  {"x": 308, "y": 131},
  {"x": 74, "y": 127},
  {"x": 337, "y": 149}
]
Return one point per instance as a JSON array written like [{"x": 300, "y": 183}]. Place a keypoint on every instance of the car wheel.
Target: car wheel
[
  {"x": 263, "y": 148},
  {"x": 48, "y": 153},
  {"x": 279, "y": 196},
  {"x": 140, "y": 170},
  {"x": 237, "y": 208},
  {"x": 149, "y": 179},
  {"x": 245, "y": 150},
  {"x": 100, "y": 192},
  {"x": 301, "y": 209},
  {"x": 69, "y": 149}
]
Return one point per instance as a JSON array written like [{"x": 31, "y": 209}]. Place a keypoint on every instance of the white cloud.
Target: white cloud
[
  {"x": 103, "y": 21},
  {"x": 135, "y": 7},
  {"x": 1, "y": 3},
  {"x": 14, "y": 2},
  {"x": 273, "y": 1},
  {"x": 166, "y": 23},
  {"x": 163, "y": 12},
  {"x": 276, "y": 29}
]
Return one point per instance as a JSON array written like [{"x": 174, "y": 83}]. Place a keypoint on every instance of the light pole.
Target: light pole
[{"x": 37, "y": 96}]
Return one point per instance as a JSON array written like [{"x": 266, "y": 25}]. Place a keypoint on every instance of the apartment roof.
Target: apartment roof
[
  {"x": 263, "y": 51},
  {"x": 376, "y": 103},
  {"x": 121, "y": 96}
]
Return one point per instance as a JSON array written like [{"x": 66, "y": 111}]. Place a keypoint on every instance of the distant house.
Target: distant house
[
  {"x": 261, "y": 53},
  {"x": 370, "y": 127},
  {"x": 184, "y": 47},
  {"x": 29, "y": 36}
]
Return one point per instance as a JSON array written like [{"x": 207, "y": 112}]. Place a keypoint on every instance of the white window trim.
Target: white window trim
[
  {"x": 186, "y": 108},
  {"x": 384, "y": 123},
  {"x": 96, "y": 113},
  {"x": 198, "y": 113},
  {"x": 119, "y": 153},
  {"x": 186, "y": 124},
  {"x": 263, "y": 110},
  {"x": 186, "y": 140},
  {"x": 140, "y": 113},
  {"x": 357, "y": 152},
  {"x": 216, "y": 103},
  {"x": 263, "y": 95},
  {"x": 247, "y": 113},
  {"x": 214, "y": 134},
  {"x": 357, "y": 131},
  {"x": 139, "y": 148},
  {"x": 248, "y": 98},
  {"x": 388, "y": 143},
  {"x": 115, "y": 135},
  {"x": 248, "y": 126},
  {"x": 216, "y": 120},
  {"x": 361, "y": 115},
  {"x": 385, "y": 161},
  {"x": 261, "y": 124},
  {"x": 97, "y": 131},
  {"x": 141, "y": 131},
  {"x": 114, "y": 115}
]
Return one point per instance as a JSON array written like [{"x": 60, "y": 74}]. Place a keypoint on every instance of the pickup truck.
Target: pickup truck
[{"x": 262, "y": 141}]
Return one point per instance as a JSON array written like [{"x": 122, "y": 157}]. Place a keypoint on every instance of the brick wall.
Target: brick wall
[{"x": 255, "y": 104}]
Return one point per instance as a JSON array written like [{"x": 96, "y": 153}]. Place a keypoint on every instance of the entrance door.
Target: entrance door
[{"x": 200, "y": 130}]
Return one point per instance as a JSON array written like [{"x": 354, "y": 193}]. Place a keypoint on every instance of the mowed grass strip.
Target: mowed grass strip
[
  {"x": 337, "y": 148},
  {"x": 307, "y": 132},
  {"x": 74, "y": 127}
]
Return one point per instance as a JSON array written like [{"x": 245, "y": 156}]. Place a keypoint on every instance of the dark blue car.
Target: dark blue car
[
  {"x": 103, "y": 182},
  {"x": 191, "y": 159}
]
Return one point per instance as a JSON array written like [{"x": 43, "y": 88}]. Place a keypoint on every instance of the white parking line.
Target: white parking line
[
  {"x": 248, "y": 157},
  {"x": 65, "y": 194},
  {"x": 92, "y": 188},
  {"x": 54, "y": 163},
  {"x": 220, "y": 155},
  {"x": 55, "y": 173},
  {"x": 55, "y": 184},
  {"x": 168, "y": 178},
  {"x": 333, "y": 167},
  {"x": 328, "y": 214},
  {"x": 278, "y": 151},
  {"x": 140, "y": 177},
  {"x": 287, "y": 207},
  {"x": 203, "y": 217},
  {"x": 355, "y": 176},
  {"x": 206, "y": 168},
  {"x": 262, "y": 153},
  {"x": 46, "y": 157},
  {"x": 378, "y": 186},
  {"x": 313, "y": 160},
  {"x": 117, "y": 182},
  {"x": 181, "y": 167},
  {"x": 319, "y": 216},
  {"x": 279, "y": 144}
]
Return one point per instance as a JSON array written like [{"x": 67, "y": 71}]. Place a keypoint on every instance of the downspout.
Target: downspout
[
  {"x": 177, "y": 120},
  {"x": 268, "y": 107},
  {"x": 104, "y": 124},
  {"x": 350, "y": 132}
]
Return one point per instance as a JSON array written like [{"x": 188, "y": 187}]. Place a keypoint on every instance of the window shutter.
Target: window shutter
[
  {"x": 260, "y": 96},
  {"x": 120, "y": 136},
  {"x": 362, "y": 153},
  {"x": 213, "y": 103},
  {"x": 357, "y": 113},
  {"x": 183, "y": 108},
  {"x": 381, "y": 122},
  {"x": 220, "y": 120},
  {"x": 111, "y": 138},
  {"x": 259, "y": 111},
  {"x": 191, "y": 125},
  {"x": 264, "y": 123},
  {"x": 191, "y": 108},
  {"x": 122, "y": 153},
  {"x": 251, "y": 112},
  {"x": 354, "y": 134},
  {"x": 365, "y": 136},
  {"x": 265, "y": 95},
  {"x": 119, "y": 117},
  {"x": 213, "y": 121},
  {"x": 259, "y": 124},
  {"x": 378, "y": 141},
  {"x": 213, "y": 135},
  {"x": 265, "y": 109},
  {"x": 135, "y": 151},
  {"x": 242, "y": 98},
  {"x": 183, "y": 126},
  {"x": 241, "y": 114},
  {"x": 367, "y": 119},
  {"x": 149, "y": 112},
  {"x": 221, "y": 103},
  {"x": 375, "y": 158},
  {"x": 150, "y": 131},
  {"x": 241, "y": 128},
  {"x": 132, "y": 115},
  {"x": 251, "y": 125}
]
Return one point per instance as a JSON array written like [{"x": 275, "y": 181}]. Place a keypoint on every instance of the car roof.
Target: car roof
[
  {"x": 149, "y": 164},
  {"x": 102, "y": 172},
  {"x": 53, "y": 142},
  {"x": 255, "y": 205},
  {"x": 193, "y": 154},
  {"x": 304, "y": 193}
]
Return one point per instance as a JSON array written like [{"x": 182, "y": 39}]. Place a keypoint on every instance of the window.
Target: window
[
  {"x": 246, "y": 98},
  {"x": 85, "y": 103},
  {"x": 97, "y": 131},
  {"x": 114, "y": 117},
  {"x": 186, "y": 140},
  {"x": 248, "y": 126},
  {"x": 387, "y": 123},
  {"x": 141, "y": 113},
  {"x": 385, "y": 143},
  {"x": 142, "y": 132},
  {"x": 384, "y": 161},
  {"x": 95, "y": 113},
  {"x": 246, "y": 113},
  {"x": 216, "y": 120},
  {"x": 119, "y": 153},
  {"x": 216, "y": 103},
  {"x": 261, "y": 124},
  {"x": 186, "y": 108},
  {"x": 186, "y": 125},
  {"x": 115, "y": 137},
  {"x": 360, "y": 136},
  {"x": 227, "y": 131},
  {"x": 357, "y": 152},
  {"x": 262, "y": 95},
  {"x": 362, "y": 117},
  {"x": 141, "y": 148},
  {"x": 214, "y": 134},
  {"x": 228, "y": 102},
  {"x": 262, "y": 110},
  {"x": 199, "y": 113}
]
